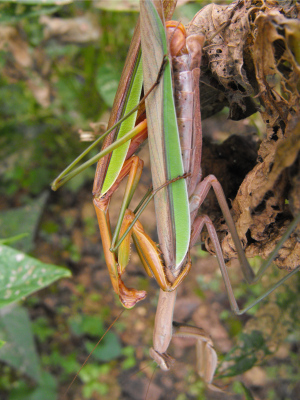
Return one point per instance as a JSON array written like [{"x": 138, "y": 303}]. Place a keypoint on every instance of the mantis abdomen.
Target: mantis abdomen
[{"x": 186, "y": 55}]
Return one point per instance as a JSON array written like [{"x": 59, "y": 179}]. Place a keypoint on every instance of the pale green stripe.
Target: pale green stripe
[
  {"x": 119, "y": 155},
  {"x": 178, "y": 190},
  {"x": 175, "y": 168}
]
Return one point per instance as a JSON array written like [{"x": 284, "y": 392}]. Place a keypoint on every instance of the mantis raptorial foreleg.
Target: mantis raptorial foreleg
[
  {"x": 148, "y": 251},
  {"x": 133, "y": 168}
]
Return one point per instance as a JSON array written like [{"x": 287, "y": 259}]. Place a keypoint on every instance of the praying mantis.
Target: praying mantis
[{"x": 176, "y": 200}]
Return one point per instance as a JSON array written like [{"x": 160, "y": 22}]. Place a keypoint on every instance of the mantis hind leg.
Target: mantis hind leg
[
  {"x": 206, "y": 355},
  {"x": 246, "y": 268}
]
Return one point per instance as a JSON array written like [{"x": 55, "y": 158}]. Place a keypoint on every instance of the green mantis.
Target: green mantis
[{"x": 176, "y": 200}]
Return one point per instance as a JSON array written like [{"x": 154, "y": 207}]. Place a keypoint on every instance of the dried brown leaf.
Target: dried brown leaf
[
  {"x": 11, "y": 40},
  {"x": 227, "y": 29},
  {"x": 252, "y": 50}
]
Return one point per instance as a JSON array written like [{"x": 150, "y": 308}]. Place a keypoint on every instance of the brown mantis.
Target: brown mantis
[{"x": 174, "y": 267}]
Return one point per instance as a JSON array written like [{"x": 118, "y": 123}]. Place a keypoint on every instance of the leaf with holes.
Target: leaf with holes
[{"x": 22, "y": 275}]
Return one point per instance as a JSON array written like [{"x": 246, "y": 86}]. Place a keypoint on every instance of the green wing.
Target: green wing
[{"x": 172, "y": 207}]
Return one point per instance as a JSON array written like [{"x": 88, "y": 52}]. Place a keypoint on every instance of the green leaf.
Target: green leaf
[
  {"x": 67, "y": 364},
  {"x": 244, "y": 355},
  {"x": 94, "y": 387},
  {"x": 45, "y": 391},
  {"x": 91, "y": 372},
  {"x": 12, "y": 239},
  {"x": 42, "y": 330},
  {"x": 109, "y": 350},
  {"x": 29, "y": 215},
  {"x": 130, "y": 360},
  {"x": 19, "y": 350},
  {"x": 91, "y": 375},
  {"x": 253, "y": 340},
  {"x": 86, "y": 324},
  {"x": 22, "y": 275},
  {"x": 241, "y": 365},
  {"x": 248, "y": 394}
]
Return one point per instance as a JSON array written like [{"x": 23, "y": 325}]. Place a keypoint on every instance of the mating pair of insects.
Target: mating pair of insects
[{"x": 173, "y": 127}]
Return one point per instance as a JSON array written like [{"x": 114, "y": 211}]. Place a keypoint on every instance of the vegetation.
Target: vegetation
[{"x": 60, "y": 65}]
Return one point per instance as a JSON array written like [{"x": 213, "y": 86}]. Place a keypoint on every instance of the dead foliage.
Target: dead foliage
[{"x": 251, "y": 64}]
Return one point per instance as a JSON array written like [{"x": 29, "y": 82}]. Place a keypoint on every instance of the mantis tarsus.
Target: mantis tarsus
[{"x": 176, "y": 263}]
